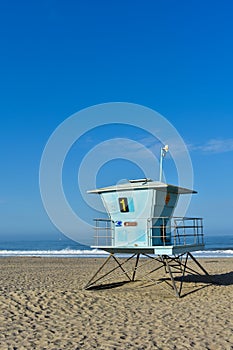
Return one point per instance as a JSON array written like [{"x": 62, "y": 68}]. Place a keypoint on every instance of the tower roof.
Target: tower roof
[{"x": 143, "y": 184}]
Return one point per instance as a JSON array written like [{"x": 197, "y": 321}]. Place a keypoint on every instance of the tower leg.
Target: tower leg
[
  {"x": 165, "y": 258},
  {"x": 102, "y": 278},
  {"x": 183, "y": 274},
  {"x": 101, "y": 267},
  {"x": 135, "y": 267},
  {"x": 120, "y": 265},
  {"x": 198, "y": 264}
]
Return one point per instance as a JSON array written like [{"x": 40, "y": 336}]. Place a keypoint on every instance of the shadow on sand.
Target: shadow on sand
[
  {"x": 107, "y": 285},
  {"x": 225, "y": 279}
]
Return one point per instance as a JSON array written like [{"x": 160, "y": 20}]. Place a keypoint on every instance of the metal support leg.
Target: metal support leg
[
  {"x": 171, "y": 276},
  {"x": 92, "y": 282},
  {"x": 135, "y": 267},
  {"x": 182, "y": 278},
  {"x": 198, "y": 264},
  {"x": 120, "y": 266},
  {"x": 101, "y": 267}
]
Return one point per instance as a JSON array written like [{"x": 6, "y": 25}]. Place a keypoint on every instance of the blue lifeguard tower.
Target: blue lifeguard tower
[{"x": 141, "y": 224}]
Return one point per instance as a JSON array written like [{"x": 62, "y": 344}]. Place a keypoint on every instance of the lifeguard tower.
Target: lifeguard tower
[{"x": 141, "y": 225}]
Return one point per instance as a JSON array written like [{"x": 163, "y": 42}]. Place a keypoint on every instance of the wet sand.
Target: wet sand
[{"x": 43, "y": 305}]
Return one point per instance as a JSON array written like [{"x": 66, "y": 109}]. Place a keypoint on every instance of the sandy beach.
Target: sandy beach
[{"x": 44, "y": 306}]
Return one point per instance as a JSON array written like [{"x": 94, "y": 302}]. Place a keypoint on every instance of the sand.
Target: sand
[{"x": 43, "y": 306}]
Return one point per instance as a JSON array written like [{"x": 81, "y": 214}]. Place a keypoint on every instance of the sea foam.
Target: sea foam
[{"x": 100, "y": 253}]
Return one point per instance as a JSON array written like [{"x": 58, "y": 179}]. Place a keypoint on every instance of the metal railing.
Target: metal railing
[
  {"x": 177, "y": 231},
  {"x": 159, "y": 231},
  {"x": 104, "y": 232}
]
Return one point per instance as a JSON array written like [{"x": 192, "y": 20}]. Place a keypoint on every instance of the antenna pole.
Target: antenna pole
[
  {"x": 161, "y": 165},
  {"x": 163, "y": 152}
]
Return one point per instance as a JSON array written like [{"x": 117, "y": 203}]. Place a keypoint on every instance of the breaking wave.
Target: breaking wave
[{"x": 83, "y": 253}]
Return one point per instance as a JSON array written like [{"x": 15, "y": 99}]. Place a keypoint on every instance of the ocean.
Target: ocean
[{"x": 215, "y": 246}]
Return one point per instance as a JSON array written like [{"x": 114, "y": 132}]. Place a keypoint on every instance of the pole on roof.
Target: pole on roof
[{"x": 163, "y": 153}]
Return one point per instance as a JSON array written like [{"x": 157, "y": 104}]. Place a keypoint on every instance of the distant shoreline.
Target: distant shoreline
[{"x": 96, "y": 254}]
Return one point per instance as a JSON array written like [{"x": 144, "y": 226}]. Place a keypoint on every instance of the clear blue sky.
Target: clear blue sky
[{"x": 58, "y": 57}]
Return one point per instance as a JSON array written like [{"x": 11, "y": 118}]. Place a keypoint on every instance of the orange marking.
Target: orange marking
[
  {"x": 130, "y": 223},
  {"x": 167, "y": 199}
]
